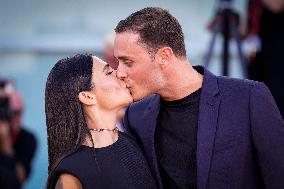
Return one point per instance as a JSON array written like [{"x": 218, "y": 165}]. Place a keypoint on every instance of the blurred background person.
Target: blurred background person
[
  {"x": 17, "y": 145},
  {"x": 108, "y": 57},
  {"x": 107, "y": 50},
  {"x": 265, "y": 31},
  {"x": 8, "y": 173}
]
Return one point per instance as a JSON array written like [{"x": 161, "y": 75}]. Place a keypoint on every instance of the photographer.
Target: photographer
[{"x": 17, "y": 145}]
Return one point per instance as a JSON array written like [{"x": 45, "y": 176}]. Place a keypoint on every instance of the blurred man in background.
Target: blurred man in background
[
  {"x": 265, "y": 31},
  {"x": 17, "y": 145},
  {"x": 111, "y": 60},
  {"x": 108, "y": 50}
]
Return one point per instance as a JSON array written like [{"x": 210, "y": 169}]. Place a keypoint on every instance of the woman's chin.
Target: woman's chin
[
  {"x": 130, "y": 97},
  {"x": 127, "y": 102},
  {"x": 130, "y": 100},
  {"x": 126, "y": 99}
]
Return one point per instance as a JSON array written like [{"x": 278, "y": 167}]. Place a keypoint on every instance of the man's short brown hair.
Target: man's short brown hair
[{"x": 157, "y": 28}]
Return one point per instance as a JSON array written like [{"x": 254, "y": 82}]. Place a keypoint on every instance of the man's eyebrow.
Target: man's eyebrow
[
  {"x": 123, "y": 58},
  {"x": 106, "y": 67}
]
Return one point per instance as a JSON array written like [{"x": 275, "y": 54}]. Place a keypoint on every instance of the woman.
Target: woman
[{"x": 85, "y": 148}]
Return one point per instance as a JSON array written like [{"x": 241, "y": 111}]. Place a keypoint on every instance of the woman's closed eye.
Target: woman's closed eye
[{"x": 109, "y": 72}]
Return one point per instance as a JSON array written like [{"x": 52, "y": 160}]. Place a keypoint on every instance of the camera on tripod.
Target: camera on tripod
[
  {"x": 226, "y": 23},
  {"x": 225, "y": 10},
  {"x": 6, "y": 114}
]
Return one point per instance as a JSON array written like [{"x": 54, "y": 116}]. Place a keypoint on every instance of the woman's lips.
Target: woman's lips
[{"x": 129, "y": 89}]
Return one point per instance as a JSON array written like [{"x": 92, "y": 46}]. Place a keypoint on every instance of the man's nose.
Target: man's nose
[{"x": 120, "y": 73}]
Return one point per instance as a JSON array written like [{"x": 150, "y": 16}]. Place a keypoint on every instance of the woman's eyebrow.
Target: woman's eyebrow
[{"x": 106, "y": 67}]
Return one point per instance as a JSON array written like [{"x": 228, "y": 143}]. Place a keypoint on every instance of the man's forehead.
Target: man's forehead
[
  {"x": 126, "y": 37},
  {"x": 126, "y": 45}
]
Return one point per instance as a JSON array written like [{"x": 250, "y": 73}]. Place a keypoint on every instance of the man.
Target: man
[
  {"x": 24, "y": 142},
  {"x": 198, "y": 130},
  {"x": 17, "y": 145}
]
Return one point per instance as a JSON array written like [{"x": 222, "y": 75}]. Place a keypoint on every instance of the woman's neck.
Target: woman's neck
[
  {"x": 101, "y": 139},
  {"x": 101, "y": 120}
]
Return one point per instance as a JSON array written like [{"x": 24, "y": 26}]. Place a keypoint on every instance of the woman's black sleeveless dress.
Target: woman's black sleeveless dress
[{"x": 121, "y": 165}]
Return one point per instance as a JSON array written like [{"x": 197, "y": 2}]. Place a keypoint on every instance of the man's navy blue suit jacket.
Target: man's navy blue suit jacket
[{"x": 240, "y": 138}]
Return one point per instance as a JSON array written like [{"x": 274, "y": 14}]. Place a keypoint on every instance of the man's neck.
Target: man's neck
[{"x": 182, "y": 81}]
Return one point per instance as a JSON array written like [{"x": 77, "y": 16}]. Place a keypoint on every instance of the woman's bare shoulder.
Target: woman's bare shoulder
[{"x": 68, "y": 181}]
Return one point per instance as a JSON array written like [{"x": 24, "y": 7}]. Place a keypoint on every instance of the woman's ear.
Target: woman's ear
[{"x": 87, "y": 98}]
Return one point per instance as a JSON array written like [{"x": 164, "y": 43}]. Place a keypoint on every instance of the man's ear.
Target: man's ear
[
  {"x": 164, "y": 56},
  {"x": 87, "y": 98}
]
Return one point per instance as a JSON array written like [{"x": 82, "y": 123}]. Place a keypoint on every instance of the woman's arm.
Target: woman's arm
[{"x": 67, "y": 181}]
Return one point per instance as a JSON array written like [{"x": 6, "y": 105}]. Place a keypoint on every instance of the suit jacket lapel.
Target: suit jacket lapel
[
  {"x": 148, "y": 137},
  {"x": 208, "y": 115}
]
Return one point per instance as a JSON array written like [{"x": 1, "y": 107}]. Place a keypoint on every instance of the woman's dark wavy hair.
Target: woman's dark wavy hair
[{"x": 65, "y": 120}]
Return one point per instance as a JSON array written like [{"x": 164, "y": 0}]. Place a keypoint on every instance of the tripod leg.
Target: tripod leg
[
  {"x": 226, "y": 41},
  {"x": 216, "y": 30},
  {"x": 236, "y": 35}
]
